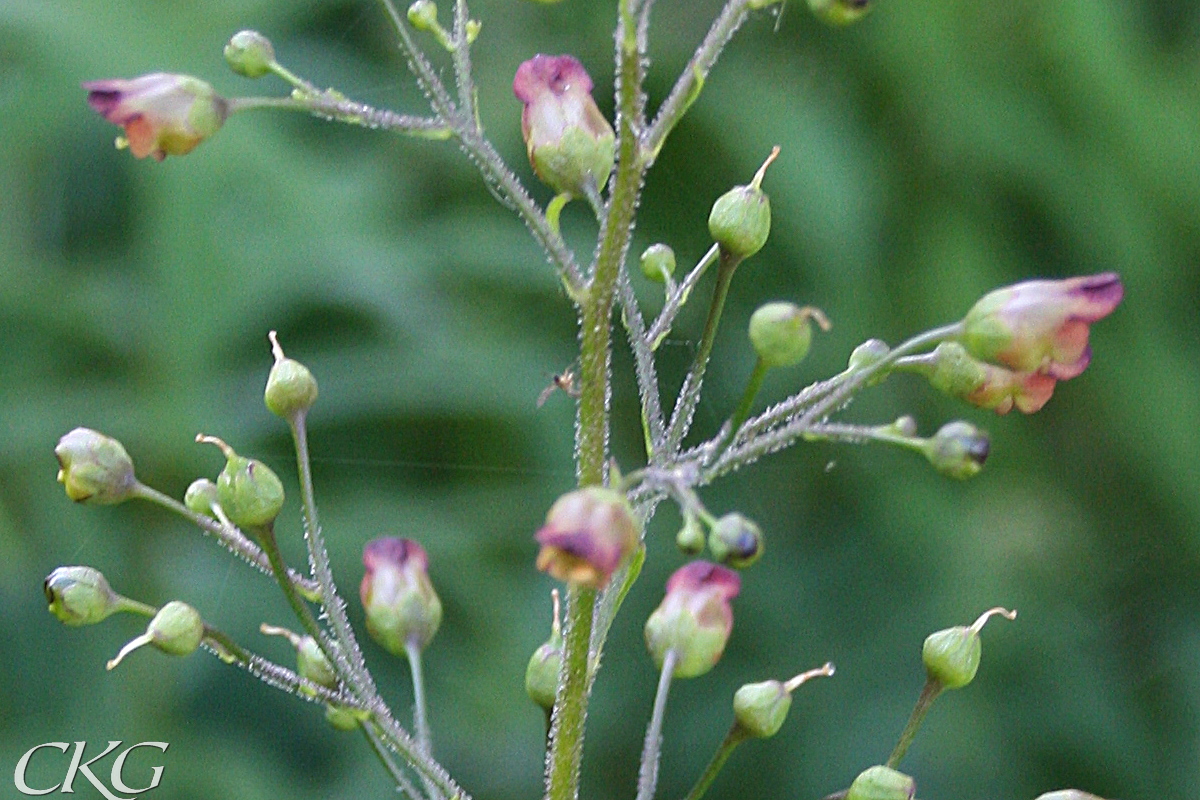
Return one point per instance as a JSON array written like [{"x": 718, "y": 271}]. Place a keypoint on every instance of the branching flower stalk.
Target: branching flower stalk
[{"x": 1008, "y": 351}]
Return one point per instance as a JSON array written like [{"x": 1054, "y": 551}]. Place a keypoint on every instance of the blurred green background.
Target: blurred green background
[{"x": 938, "y": 150}]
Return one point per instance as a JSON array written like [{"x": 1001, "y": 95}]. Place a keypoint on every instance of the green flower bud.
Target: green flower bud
[
  {"x": 250, "y": 54},
  {"x": 951, "y": 656},
  {"x": 694, "y": 618},
  {"x": 250, "y": 494},
  {"x": 840, "y": 12},
  {"x": 422, "y": 15},
  {"x": 541, "y": 676},
  {"x": 658, "y": 262},
  {"x": 740, "y": 220},
  {"x": 94, "y": 468},
  {"x": 342, "y": 719},
  {"x": 735, "y": 541},
  {"x": 201, "y": 496},
  {"x": 958, "y": 450},
  {"x": 761, "y": 708},
  {"x": 311, "y": 662},
  {"x": 882, "y": 783},
  {"x": 782, "y": 332},
  {"x": 401, "y": 606},
  {"x": 690, "y": 538},
  {"x": 177, "y": 630},
  {"x": 868, "y": 354},
  {"x": 80, "y": 596},
  {"x": 291, "y": 388}
]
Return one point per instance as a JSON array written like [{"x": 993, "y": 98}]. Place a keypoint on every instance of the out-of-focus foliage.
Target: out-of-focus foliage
[{"x": 931, "y": 153}]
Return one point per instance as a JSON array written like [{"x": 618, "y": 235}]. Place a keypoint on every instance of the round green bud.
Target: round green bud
[
  {"x": 249, "y": 493},
  {"x": 840, "y": 12},
  {"x": 422, "y": 15},
  {"x": 735, "y": 541},
  {"x": 868, "y": 354},
  {"x": 952, "y": 656},
  {"x": 541, "y": 675},
  {"x": 691, "y": 538},
  {"x": 311, "y": 663},
  {"x": 250, "y": 54},
  {"x": 342, "y": 719},
  {"x": 761, "y": 708},
  {"x": 781, "y": 334},
  {"x": 176, "y": 629},
  {"x": 94, "y": 468},
  {"x": 201, "y": 496},
  {"x": 958, "y": 450},
  {"x": 881, "y": 783},
  {"x": 740, "y": 221},
  {"x": 658, "y": 262},
  {"x": 291, "y": 388},
  {"x": 80, "y": 596}
]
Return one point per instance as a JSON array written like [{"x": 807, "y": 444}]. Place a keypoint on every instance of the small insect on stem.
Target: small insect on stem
[{"x": 567, "y": 381}]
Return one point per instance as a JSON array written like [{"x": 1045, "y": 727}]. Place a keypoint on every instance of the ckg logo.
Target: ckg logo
[{"x": 78, "y": 767}]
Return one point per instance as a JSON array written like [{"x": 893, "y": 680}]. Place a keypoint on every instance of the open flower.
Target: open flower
[
  {"x": 570, "y": 143},
  {"x": 1041, "y": 326},
  {"x": 162, "y": 114},
  {"x": 588, "y": 533}
]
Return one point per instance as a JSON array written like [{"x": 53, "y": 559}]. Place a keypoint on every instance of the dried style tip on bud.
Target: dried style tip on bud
[
  {"x": 201, "y": 496},
  {"x": 249, "y": 493},
  {"x": 958, "y": 450},
  {"x": 782, "y": 332},
  {"x": 956, "y": 373},
  {"x": 176, "y": 630},
  {"x": 840, "y": 12},
  {"x": 291, "y": 388},
  {"x": 691, "y": 538},
  {"x": 570, "y": 143},
  {"x": 740, "y": 220},
  {"x": 1041, "y": 326},
  {"x": 882, "y": 783},
  {"x": 761, "y": 708},
  {"x": 588, "y": 533},
  {"x": 94, "y": 468},
  {"x": 952, "y": 655},
  {"x": 658, "y": 262},
  {"x": 401, "y": 606},
  {"x": 162, "y": 114},
  {"x": 80, "y": 596},
  {"x": 694, "y": 618},
  {"x": 541, "y": 676},
  {"x": 250, "y": 54},
  {"x": 735, "y": 541}
]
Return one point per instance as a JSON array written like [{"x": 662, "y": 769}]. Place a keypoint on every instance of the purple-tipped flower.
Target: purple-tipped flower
[
  {"x": 570, "y": 143},
  {"x": 401, "y": 606},
  {"x": 1041, "y": 326},
  {"x": 588, "y": 533},
  {"x": 163, "y": 114},
  {"x": 694, "y": 618}
]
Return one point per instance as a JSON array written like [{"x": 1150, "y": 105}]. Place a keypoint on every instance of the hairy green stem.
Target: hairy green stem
[
  {"x": 331, "y": 105},
  {"x": 737, "y": 734},
  {"x": 689, "y": 393},
  {"x": 648, "y": 773},
  {"x": 385, "y": 757},
  {"x": 420, "y": 718},
  {"x": 928, "y": 694},
  {"x": 228, "y": 535}
]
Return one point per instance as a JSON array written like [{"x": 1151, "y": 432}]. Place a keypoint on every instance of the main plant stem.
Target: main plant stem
[{"x": 595, "y": 319}]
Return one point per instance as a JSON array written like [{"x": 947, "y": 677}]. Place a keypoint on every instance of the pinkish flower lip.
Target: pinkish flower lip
[{"x": 556, "y": 74}]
